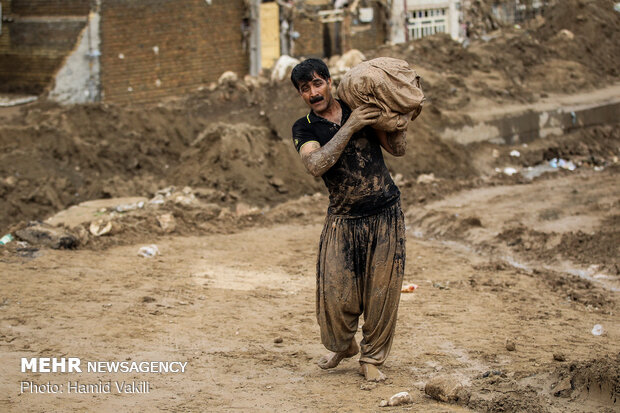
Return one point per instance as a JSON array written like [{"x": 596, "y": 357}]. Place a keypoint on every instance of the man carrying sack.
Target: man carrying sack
[{"x": 361, "y": 255}]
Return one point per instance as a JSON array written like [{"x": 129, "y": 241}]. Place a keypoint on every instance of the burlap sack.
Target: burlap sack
[{"x": 387, "y": 83}]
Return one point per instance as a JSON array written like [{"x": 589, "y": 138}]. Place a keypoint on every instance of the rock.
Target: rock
[
  {"x": 283, "y": 67},
  {"x": 167, "y": 222},
  {"x": 278, "y": 340},
  {"x": 510, "y": 345},
  {"x": 563, "y": 388},
  {"x": 348, "y": 60},
  {"x": 40, "y": 234},
  {"x": 243, "y": 209},
  {"x": 228, "y": 78},
  {"x": 559, "y": 356},
  {"x": 447, "y": 389},
  {"x": 400, "y": 399},
  {"x": 383, "y": 403}
]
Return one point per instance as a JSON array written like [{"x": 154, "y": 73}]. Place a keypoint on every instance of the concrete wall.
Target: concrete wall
[
  {"x": 78, "y": 80},
  {"x": 168, "y": 47}
]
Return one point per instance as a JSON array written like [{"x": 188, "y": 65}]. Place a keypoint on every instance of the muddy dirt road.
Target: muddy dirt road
[{"x": 238, "y": 307}]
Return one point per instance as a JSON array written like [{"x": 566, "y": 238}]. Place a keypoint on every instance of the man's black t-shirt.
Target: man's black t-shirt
[{"x": 359, "y": 183}]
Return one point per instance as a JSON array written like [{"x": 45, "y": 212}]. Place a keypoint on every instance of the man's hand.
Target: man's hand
[{"x": 364, "y": 115}]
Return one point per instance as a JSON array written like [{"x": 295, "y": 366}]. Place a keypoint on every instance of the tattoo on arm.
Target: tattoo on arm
[{"x": 318, "y": 161}]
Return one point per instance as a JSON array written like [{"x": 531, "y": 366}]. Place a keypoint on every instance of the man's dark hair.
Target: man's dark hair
[{"x": 304, "y": 71}]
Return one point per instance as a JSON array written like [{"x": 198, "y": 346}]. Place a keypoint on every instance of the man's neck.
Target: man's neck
[{"x": 333, "y": 112}]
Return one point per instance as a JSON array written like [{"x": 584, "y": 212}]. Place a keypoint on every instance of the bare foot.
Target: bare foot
[
  {"x": 331, "y": 360},
  {"x": 371, "y": 372}
]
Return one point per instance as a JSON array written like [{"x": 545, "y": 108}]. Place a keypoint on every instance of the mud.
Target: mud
[{"x": 215, "y": 183}]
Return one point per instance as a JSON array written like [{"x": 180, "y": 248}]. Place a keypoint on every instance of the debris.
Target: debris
[
  {"x": 167, "y": 222},
  {"x": 515, "y": 153},
  {"x": 100, "y": 227},
  {"x": 447, "y": 389},
  {"x": 347, "y": 61},
  {"x": 228, "y": 78},
  {"x": 397, "y": 400},
  {"x": 426, "y": 178},
  {"x": 409, "y": 288},
  {"x": 597, "y": 330},
  {"x": 510, "y": 171},
  {"x": 562, "y": 163},
  {"x": 283, "y": 67},
  {"x": 567, "y": 34},
  {"x": 510, "y": 345},
  {"x": 243, "y": 209},
  {"x": 440, "y": 286},
  {"x": 6, "y": 239},
  {"x": 38, "y": 233},
  {"x": 148, "y": 251},
  {"x": 129, "y": 207},
  {"x": 495, "y": 153},
  {"x": 491, "y": 373}
]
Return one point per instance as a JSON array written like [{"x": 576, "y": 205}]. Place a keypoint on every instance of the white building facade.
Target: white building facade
[{"x": 414, "y": 19}]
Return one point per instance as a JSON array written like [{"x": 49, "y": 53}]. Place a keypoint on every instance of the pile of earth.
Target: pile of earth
[{"x": 234, "y": 137}]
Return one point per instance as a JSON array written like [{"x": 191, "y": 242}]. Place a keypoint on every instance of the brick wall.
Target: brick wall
[
  {"x": 373, "y": 34},
  {"x": 51, "y": 7},
  {"x": 310, "y": 41},
  {"x": 196, "y": 42},
  {"x": 33, "y": 48}
]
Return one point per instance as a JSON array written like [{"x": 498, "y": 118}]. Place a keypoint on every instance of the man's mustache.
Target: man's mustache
[{"x": 315, "y": 99}]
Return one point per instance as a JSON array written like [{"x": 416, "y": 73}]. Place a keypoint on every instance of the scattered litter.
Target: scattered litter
[
  {"x": 409, "y": 288},
  {"x": 129, "y": 207},
  {"x": 599, "y": 168},
  {"x": 597, "y": 330},
  {"x": 510, "y": 171},
  {"x": 6, "y": 239},
  {"x": 617, "y": 7},
  {"x": 532, "y": 172},
  {"x": 495, "y": 153},
  {"x": 14, "y": 101},
  {"x": 562, "y": 163},
  {"x": 148, "y": 251},
  {"x": 397, "y": 400},
  {"x": 440, "y": 286},
  {"x": 100, "y": 227},
  {"x": 41, "y": 234},
  {"x": 515, "y": 153}
]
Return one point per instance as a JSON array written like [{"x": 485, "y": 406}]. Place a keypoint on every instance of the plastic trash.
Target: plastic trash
[
  {"x": 510, "y": 171},
  {"x": 515, "y": 153},
  {"x": 129, "y": 207},
  {"x": 617, "y": 7},
  {"x": 6, "y": 239},
  {"x": 148, "y": 251},
  {"x": 409, "y": 288},
  {"x": 398, "y": 399},
  {"x": 597, "y": 330}
]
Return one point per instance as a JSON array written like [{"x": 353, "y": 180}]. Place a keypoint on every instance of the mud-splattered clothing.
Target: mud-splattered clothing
[
  {"x": 361, "y": 257},
  {"x": 359, "y": 183},
  {"x": 360, "y": 270}
]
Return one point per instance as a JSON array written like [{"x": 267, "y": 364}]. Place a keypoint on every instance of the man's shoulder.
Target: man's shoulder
[{"x": 302, "y": 122}]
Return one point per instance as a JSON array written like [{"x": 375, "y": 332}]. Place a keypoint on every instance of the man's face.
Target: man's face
[{"x": 316, "y": 93}]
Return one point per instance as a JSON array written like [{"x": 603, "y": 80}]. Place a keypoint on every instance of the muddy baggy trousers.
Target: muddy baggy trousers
[{"x": 360, "y": 270}]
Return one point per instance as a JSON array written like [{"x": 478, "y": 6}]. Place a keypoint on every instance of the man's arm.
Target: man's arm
[
  {"x": 318, "y": 160},
  {"x": 393, "y": 142}
]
